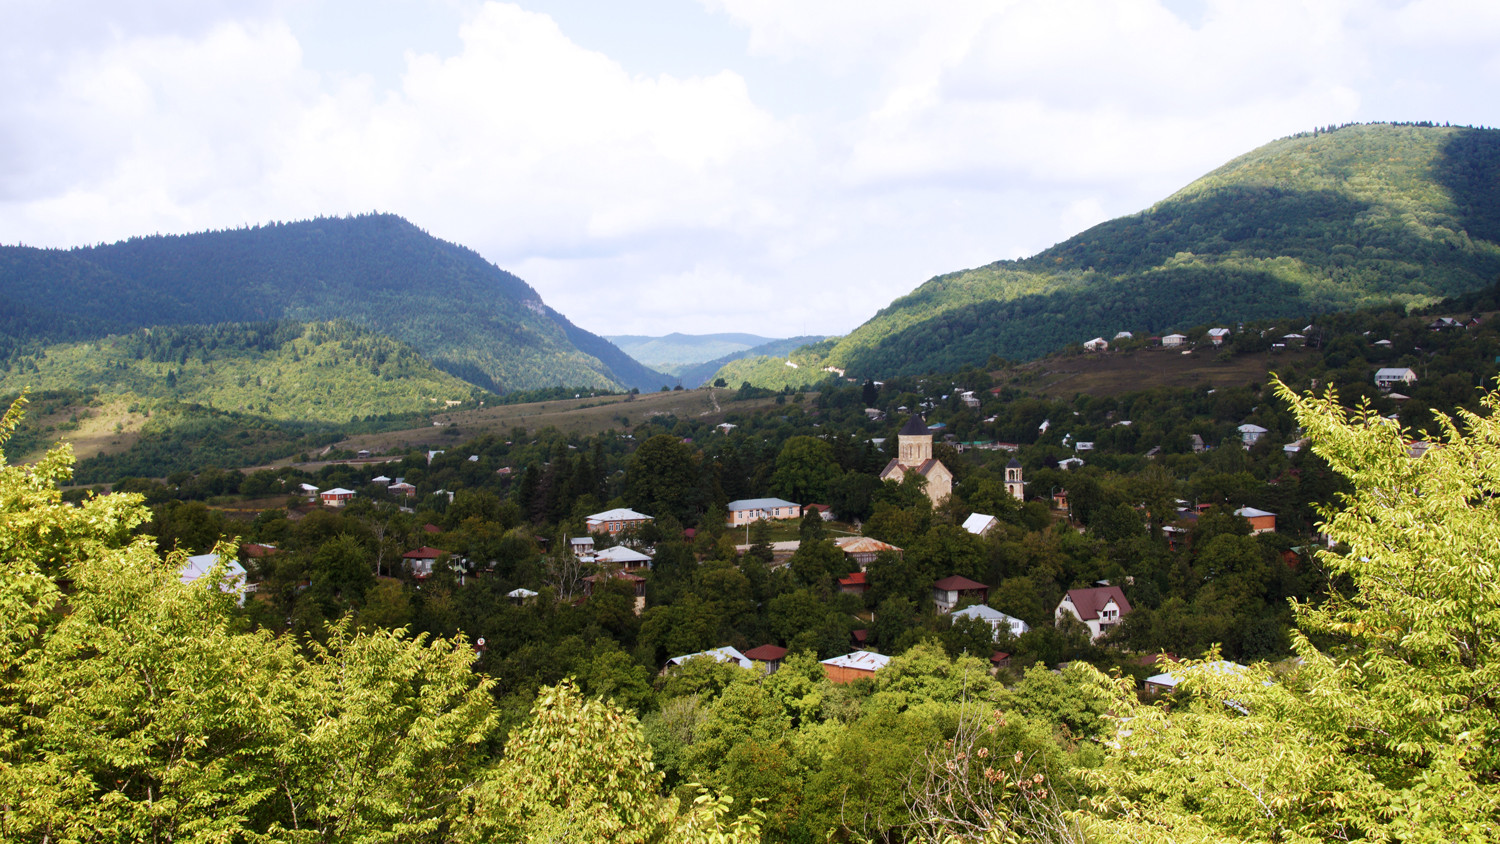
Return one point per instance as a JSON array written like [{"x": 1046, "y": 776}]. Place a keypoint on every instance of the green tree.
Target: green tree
[
  {"x": 805, "y": 470},
  {"x": 1388, "y": 728}
]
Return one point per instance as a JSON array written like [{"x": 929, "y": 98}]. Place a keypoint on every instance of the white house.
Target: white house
[
  {"x": 1070, "y": 463},
  {"x": 724, "y": 654},
  {"x": 1100, "y": 608},
  {"x": 1389, "y": 377},
  {"x": 979, "y": 524},
  {"x": 621, "y": 556},
  {"x": 747, "y": 510},
  {"x": 234, "y": 574},
  {"x": 1171, "y": 341},
  {"x": 994, "y": 618},
  {"x": 1167, "y": 681},
  {"x": 1124, "y": 335},
  {"x": 1098, "y": 344},
  {"x": 1250, "y": 433},
  {"x": 1217, "y": 335},
  {"x": 946, "y": 593}
]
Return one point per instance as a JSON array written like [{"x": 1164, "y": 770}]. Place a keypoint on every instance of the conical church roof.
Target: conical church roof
[{"x": 915, "y": 427}]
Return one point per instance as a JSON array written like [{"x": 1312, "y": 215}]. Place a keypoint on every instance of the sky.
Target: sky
[{"x": 780, "y": 167}]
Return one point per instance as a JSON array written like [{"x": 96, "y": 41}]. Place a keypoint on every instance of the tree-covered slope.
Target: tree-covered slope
[
  {"x": 761, "y": 358},
  {"x": 283, "y": 371},
  {"x": 1323, "y": 221},
  {"x": 467, "y": 316}
]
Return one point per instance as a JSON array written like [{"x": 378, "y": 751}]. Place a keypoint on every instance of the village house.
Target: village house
[
  {"x": 1124, "y": 335},
  {"x": 626, "y": 558},
  {"x": 914, "y": 443},
  {"x": 979, "y": 524},
  {"x": 637, "y": 585},
  {"x": 995, "y": 619},
  {"x": 615, "y": 521},
  {"x": 1388, "y": 377},
  {"x": 1166, "y": 682},
  {"x": 854, "y": 583},
  {"x": 235, "y": 576},
  {"x": 1217, "y": 335},
  {"x": 1098, "y": 344},
  {"x": 421, "y": 559},
  {"x": 823, "y": 510},
  {"x": 1172, "y": 341},
  {"x": 724, "y": 654},
  {"x": 1250, "y": 433},
  {"x": 1260, "y": 520},
  {"x": 769, "y": 657},
  {"x": 582, "y": 547},
  {"x": 863, "y": 550},
  {"x": 336, "y": 497},
  {"x": 401, "y": 487},
  {"x": 860, "y": 665},
  {"x": 748, "y": 510},
  {"x": 948, "y": 592},
  {"x": 1100, "y": 608}
]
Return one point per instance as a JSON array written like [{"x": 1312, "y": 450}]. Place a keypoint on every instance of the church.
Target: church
[{"x": 915, "y": 455}]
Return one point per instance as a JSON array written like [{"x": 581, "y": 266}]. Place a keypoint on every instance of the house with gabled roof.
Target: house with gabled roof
[
  {"x": 624, "y": 557},
  {"x": 768, "y": 656},
  {"x": 726, "y": 653},
  {"x": 980, "y": 524},
  {"x": 948, "y": 592},
  {"x": 1388, "y": 377},
  {"x": 1100, "y": 608},
  {"x": 421, "y": 560},
  {"x": 863, "y": 549},
  {"x": 997, "y": 620}
]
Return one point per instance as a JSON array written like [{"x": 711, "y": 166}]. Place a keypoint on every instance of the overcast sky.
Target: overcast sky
[{"x": 774, "y": 166}]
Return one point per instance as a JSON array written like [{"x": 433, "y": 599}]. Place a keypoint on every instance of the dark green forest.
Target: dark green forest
[{"x": 468, "y": 317}]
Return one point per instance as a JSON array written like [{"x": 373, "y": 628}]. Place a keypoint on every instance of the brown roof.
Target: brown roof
[
  {"x": 1090, "y": 601},
  {"x": 855, "y": 578},
  {"x": 958, "y": 583},
  {"x": 863, "y": 545},
  {"x": 424, "y": 553},
  {"x": 766, "y": 653},
  {"x": 431, "y": 528}
]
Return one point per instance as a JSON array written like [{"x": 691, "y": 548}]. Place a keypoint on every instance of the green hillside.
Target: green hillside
[
  {"x": 1318, "y": 222},
  {"x": 283, "y": 371},
  {"x": 470, "y": 318},
  {"x": 736, "y": 368}
]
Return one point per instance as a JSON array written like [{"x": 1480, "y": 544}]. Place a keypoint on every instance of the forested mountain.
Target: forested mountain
[
  {"x": 284, "y": 371},
  {"x": 1322, "y": 221},
  {"x": 467, "y": 316},
  {"x": 675, "y": 352}
]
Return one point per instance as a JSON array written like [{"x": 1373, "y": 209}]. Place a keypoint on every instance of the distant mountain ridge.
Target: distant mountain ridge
[
  {"x": 467, "y": 316},
  {"x": 1324, "y": 221},
  {"x": 674, "y": 352}
]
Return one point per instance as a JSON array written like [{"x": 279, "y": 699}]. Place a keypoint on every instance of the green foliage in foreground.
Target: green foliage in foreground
[
  {"x": 138, "y": 708},
  {"x": 1389, "y": 729},
  {"x": 1318, "y": 222}
]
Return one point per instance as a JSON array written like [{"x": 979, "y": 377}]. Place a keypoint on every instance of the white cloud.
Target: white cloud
[{"x": 947, "y": 135}]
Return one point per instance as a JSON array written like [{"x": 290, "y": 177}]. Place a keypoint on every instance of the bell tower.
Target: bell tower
[{"x": 1013, "y": 483}]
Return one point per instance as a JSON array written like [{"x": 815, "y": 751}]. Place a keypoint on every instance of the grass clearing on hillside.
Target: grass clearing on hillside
[
  {"x": 581, "y": 416},
  {"x": 1113, "y": 373}
]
